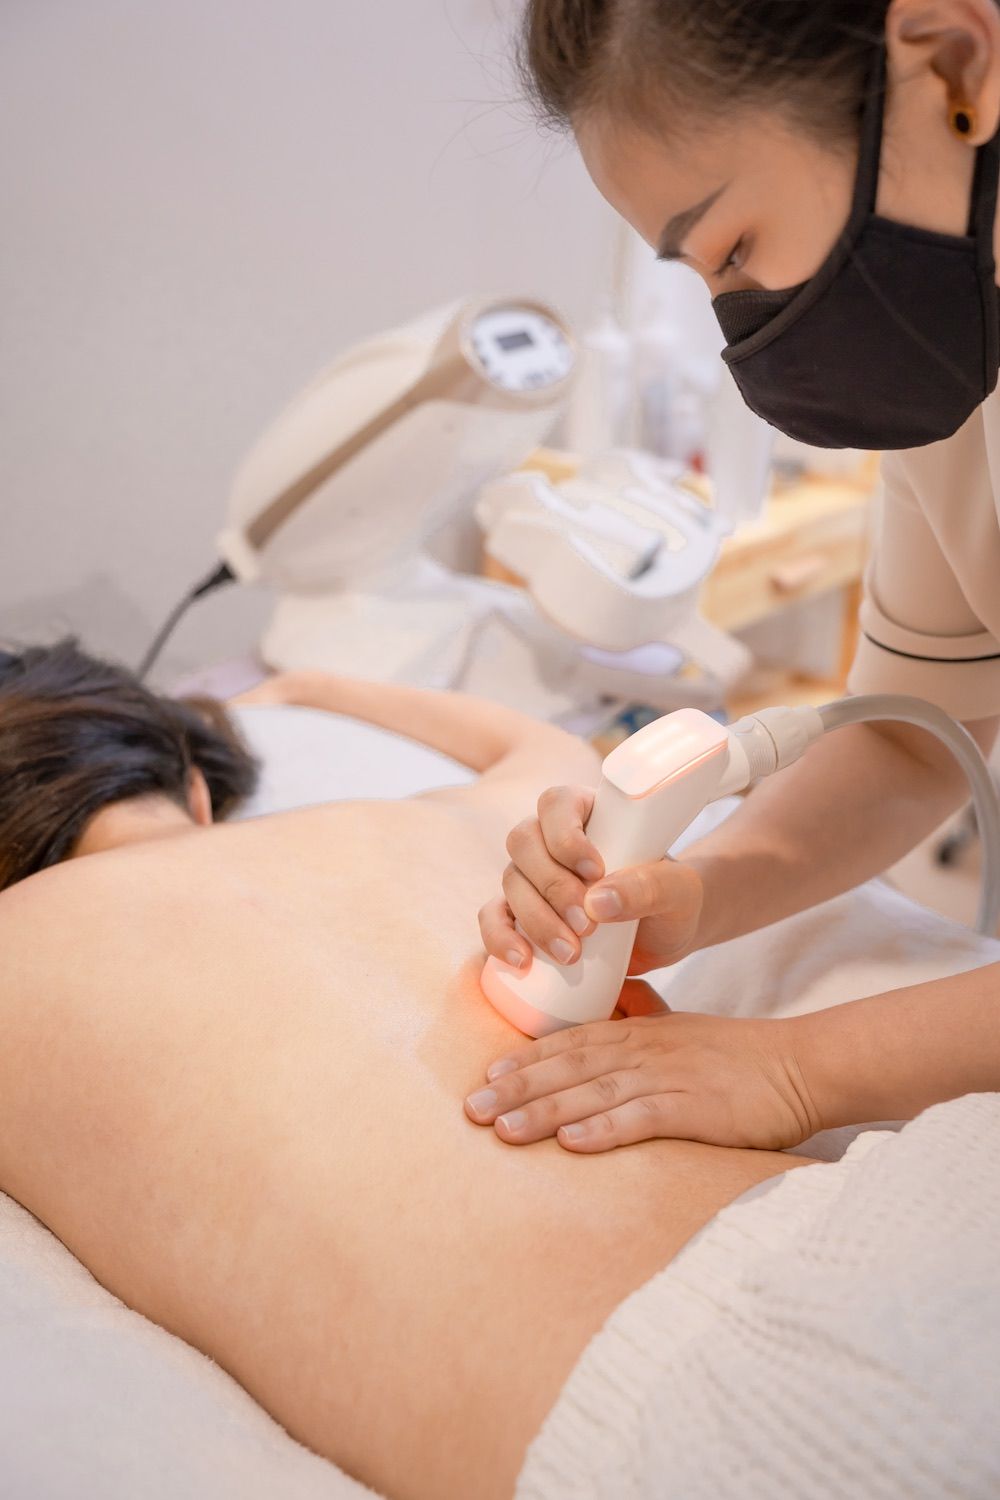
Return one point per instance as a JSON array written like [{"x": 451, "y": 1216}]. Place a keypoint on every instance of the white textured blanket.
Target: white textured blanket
[{"x": 838, "y": 1336}]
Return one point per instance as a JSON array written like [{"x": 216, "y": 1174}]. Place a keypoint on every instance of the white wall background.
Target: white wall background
[{"x": 203, "y": 201}]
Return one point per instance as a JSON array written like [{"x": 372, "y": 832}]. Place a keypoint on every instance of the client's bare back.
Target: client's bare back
[{"x": 231, "y": 1083}]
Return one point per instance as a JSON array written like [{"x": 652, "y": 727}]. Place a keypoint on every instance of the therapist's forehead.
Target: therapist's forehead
[{"x": 648, "y": 178}]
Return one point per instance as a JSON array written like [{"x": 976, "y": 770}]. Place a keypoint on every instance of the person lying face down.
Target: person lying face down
[
  {"x": 234, "y": 1059},
  {"x": 81, "y": 738}
]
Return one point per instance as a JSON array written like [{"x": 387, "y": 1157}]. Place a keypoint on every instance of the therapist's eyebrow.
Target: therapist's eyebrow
[{"x": 676, "y": 230}]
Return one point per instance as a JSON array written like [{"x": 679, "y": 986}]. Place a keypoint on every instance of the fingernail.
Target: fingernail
[
  {"x": 573, "y": 1132},
  {"x": 577, "y": 919},
  {"x": 604, "y": 903},
  {"x": 588, "y": 870},
  {"x": 483, "y": 1102},
  {"x": 515, "y": 958},
  {"x": 561, "y": 951},
  {"x": 513, "y": 1122},
  {"x": 500, "y": 1067}
]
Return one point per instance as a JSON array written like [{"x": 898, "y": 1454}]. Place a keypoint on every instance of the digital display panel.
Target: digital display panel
[{"x": 519, "y": 340}]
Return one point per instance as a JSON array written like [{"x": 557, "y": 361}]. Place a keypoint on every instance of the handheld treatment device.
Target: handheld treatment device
[
  {"x": 651, "y": 787},
  {"x": 655, "y": 783}
]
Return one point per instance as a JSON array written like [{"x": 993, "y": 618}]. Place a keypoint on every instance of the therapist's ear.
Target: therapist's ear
[
  {"x": 959, "y": 41},
  {"x": 199, "y": 798}
]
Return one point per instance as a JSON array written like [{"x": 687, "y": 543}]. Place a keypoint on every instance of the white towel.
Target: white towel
[
  {"x": 834, "y": 1337},
  {"x": 96, "y": 1401}
]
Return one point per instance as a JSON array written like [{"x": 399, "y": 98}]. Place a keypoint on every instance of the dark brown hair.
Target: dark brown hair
[
  {"x": 77, "y": 734},
  {"x": 667, "y": 62}
]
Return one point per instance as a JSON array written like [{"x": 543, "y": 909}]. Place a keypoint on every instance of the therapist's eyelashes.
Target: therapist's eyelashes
[{"x": 736, "y": 259}]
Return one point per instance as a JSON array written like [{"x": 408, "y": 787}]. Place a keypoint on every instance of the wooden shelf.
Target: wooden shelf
[
  {"x": 770, "y": 685},
  {"x": 812, "y": 537}
]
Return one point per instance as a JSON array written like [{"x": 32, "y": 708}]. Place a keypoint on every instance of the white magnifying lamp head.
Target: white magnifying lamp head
[{"x": 384, "y": 444}]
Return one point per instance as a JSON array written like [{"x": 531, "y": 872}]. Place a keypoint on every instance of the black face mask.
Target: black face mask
[{"x": 894, "y": 342}]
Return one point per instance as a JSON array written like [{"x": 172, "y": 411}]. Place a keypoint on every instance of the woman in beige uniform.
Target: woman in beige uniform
[{"x": 829, "y": 168}]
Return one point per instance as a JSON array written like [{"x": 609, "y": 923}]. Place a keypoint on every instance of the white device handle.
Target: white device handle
[
  {"x": 657, "y": 781},
  {"x": 652, "y": 786}
]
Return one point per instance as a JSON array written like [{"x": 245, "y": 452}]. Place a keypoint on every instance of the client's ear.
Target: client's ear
[{"x": 199, "y": 798}]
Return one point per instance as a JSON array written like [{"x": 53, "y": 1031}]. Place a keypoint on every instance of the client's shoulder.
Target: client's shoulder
[
  {"x": 54, "y": 889},
  {"x": 47, "y": 919},
  {"x": 85, "y": 889},
  {"x": 111, "y": 912}
]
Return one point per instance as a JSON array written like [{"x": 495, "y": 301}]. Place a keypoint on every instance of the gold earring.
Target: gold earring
[{"x": 962, "y": 119}]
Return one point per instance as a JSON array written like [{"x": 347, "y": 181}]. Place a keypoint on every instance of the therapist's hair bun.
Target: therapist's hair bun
[
  {"x": 78, "y": 734},
  {"x": 672, "y": 63}
]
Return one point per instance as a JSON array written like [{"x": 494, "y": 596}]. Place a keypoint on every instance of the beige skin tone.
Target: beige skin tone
[
  {"x": 230, "y": 1078},
  {"x": 858, "y": 800}
]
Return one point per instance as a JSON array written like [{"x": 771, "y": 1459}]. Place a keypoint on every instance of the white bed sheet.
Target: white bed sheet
[
  {"x": 308, "y": 756},
  {"x": 97, "y": 1401}
]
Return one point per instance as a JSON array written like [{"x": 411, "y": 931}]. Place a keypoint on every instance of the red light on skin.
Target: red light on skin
[{"x": 506, "y": 999}]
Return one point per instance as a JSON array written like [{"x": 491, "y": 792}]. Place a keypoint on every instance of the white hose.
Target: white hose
[{"x": 897, "y": 708}]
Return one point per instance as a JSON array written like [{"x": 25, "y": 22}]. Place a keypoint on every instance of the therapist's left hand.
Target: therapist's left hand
[{"x": 611, "y": 1083}]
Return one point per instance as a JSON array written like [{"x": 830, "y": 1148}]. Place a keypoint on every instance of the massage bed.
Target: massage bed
[{"x": 789, "y": 1349}]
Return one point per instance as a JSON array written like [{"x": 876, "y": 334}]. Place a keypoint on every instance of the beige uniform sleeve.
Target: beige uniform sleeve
[{"x": 919, "y": 634}]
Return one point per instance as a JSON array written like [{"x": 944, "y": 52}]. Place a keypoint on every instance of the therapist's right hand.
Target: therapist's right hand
[{"x": 556, "y": 890}]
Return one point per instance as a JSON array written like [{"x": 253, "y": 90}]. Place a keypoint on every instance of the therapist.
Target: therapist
[{"x": 829, "y": 168}]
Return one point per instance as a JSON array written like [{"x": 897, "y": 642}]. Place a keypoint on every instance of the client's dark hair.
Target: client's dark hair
[{"x": 77, "y": 734}]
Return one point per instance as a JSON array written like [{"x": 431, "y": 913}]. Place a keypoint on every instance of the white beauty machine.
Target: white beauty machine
[
  {"x": 332, "y": 505},
  {"x": 341, "y": 506},
  {"x": 336, "y": 504},
  {"x": 384, "y": 441},
  {"x": 651, "y": 788}
]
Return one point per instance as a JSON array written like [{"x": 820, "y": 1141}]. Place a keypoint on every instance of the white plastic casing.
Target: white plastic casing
[{"x": 652, "y": 786}]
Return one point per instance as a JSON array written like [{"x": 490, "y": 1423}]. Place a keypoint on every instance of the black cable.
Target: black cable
[{"x": 219, "y": 575}]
